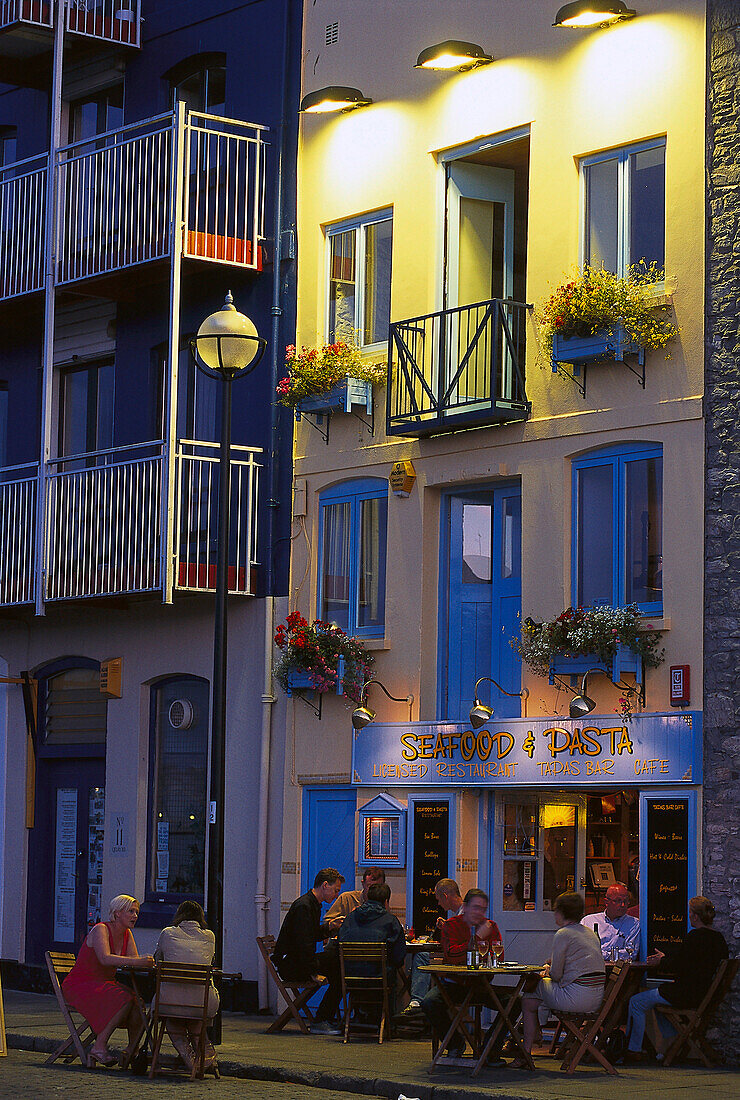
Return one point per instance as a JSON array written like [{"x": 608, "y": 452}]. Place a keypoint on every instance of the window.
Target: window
[
  {"x": 75, "y": 712},
  {"x": 624, "y": 207},
  {"x": 352, "y": 537},
  {"x": 3, "y": 424},
  {"x": 96, "y": 114},
  {"x": 618, "y": 528},
  {"x": 200, "y": 83},
  {"x": 177, "y": 801},
  {"x": 8, "y": 145},
  {"x": 86, "y": 408},
  {"x": 359, "y": 282}
]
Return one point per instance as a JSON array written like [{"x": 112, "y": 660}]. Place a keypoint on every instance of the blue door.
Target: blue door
[
  {"x": 483, "y": 604},
  {"x": 328, "y": 833}
]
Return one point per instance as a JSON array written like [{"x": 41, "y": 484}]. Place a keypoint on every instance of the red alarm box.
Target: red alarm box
[{"x": 680, "y": 685}]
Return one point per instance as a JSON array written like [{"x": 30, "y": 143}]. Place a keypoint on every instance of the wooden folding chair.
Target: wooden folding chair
[
  {"x": 81, "y": 1036},
  {"x": 691, "y": 1024},
  {"x": 585, "y": 1031},
  {"x": 295, "y": 994},
  {"x": 179, "y": 977},
  {"x": 371, "y": 989}
]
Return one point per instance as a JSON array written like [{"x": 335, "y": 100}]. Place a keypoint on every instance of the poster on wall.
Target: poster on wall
[
  {"x": 65, "y": 865},
  {"x": 431, "y": 827},
  {"x": 667, "y": 874}
]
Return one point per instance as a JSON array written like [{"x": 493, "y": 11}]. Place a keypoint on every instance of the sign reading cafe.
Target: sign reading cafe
[{"x": 652, "y": 748}]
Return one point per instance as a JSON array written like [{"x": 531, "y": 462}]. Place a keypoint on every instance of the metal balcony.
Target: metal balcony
[
  {"x": 103, "y": 523},
  {"x": 31, "y": 23},
  {"x": 123, "y": 197},
  {"x": 458, "y": 368}
]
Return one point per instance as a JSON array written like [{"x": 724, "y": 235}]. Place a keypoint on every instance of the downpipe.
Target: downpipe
[{"x": 261, "y": 900}]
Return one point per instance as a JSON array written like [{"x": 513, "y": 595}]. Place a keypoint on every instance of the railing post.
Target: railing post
[{"x": 169, "y": 518}]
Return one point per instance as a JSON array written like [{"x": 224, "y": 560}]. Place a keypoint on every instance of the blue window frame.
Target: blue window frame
[
  {"x": 352, "y": 539},
  {"x": 359, "y": 279},
  {"x": 623, "y": 194},
  {"x": 618, "y": 528}
]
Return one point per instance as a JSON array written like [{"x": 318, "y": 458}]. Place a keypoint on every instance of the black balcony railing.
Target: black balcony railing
[{"x": 459, "y": 368}]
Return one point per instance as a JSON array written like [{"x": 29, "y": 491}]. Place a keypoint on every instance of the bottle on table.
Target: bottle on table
[{"x": 473, "y": 962}]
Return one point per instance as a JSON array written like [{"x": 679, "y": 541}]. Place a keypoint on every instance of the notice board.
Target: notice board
[
  {"x": 667, "y": 874},
  {"x": 431, "y": 827}
]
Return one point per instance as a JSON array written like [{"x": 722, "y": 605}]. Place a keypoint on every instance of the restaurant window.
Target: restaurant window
[
  {"x": 618, "y": 528},
  {"x": 177, "y": 785},
  {"x": 352, "y": 537},
  {"x": 624, "y": 207},
  {"x": 359, "y": 279}
]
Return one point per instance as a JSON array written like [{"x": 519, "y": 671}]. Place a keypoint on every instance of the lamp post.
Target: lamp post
[{"x": 227, "y": 347}]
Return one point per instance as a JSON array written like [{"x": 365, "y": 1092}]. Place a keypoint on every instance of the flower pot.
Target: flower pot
[
  {"x": 350, "y": 391},
  {"x": 302, "y": 681},
  {"x": 625, "y": 660},
  {"x": 609, "y": 343}
]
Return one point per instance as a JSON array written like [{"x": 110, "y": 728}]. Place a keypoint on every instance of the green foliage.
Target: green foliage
[
  {"x": 313, "y": 371},
  {"x": 580, "y": 631},
  {"x": 316, "y": 650}
]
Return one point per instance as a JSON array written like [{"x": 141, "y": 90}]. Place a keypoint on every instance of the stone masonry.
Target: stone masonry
[{"x": 722, "y": 523}]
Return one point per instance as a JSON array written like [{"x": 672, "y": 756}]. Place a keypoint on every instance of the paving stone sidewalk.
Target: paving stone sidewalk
[{"x": 33, "y": 1022}]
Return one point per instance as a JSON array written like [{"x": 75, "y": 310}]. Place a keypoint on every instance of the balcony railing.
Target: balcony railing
[
  {"x": 103, "y": 523},
  {"x": 116, "y": 197},
  {"x": 116, "y": 21},
  {"x": 458, "y": 368}
]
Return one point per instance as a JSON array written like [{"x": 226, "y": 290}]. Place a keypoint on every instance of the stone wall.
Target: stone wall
[{"x": 722, "y": 522}]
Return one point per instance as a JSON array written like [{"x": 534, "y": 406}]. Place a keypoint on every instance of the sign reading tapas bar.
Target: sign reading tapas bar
[{"x": 652, "y": 748}]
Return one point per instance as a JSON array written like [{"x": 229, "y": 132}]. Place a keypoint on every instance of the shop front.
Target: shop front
[{"x": 532, "y": 807}]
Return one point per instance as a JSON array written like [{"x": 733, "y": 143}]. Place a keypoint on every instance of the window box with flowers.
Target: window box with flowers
[
  {"x": 333, "y": 377},
  {"x": 321, "y": 658},
  {"x": 599, "y": 316}
]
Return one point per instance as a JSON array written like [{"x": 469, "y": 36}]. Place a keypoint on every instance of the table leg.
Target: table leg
[
  {"x": 458, "y": 1013},
  {"x": 504, "y": 1020}
]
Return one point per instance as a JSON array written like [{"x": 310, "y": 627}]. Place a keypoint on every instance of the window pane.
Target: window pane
[
  {"x": 104, "y": 425},
  {"x": 644, "y": 535},
  {"x": 177, "y": 840},
  {"x": 335, "y": 565},
  {"x": 378, "y": 247},
  {"x": 342, "y": 287},
  {"x": 75, "y": 413},
  {"x": 371, "y": 597},
  {"x": 511, "y": 538},
  {"x": 75, "y": 711},
  {"x": 558, "y": 824},
  {"x": 647, "y": 207},
  {"x": 595, "y": 536},
  {"x": 602, "y": 222},
  {"x": 476, "y": 544}
]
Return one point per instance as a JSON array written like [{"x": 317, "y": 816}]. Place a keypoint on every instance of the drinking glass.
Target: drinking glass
[
  {"x": 497, "y": 950},
  {"x": 484, "y": 949}
]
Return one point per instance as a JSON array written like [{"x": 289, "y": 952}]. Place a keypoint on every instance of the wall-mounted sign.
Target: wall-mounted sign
[
  {"x": 680, "y": 685},
  {"x": 402, "y": 478},
  {"x": 111, "y": 675},
  {"x": 431, "y": 827},
  {"x": 651, "y": 749},
  {"x": 667, "y": 874}
]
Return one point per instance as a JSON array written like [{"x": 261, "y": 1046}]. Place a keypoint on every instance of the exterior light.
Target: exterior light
[
  {"x": 452, "y": 55},
  {"x": 363, "y": 715},
  {"x": 592, "y": 13},
  {"x": 582, "y": 704},
  {"x": 336, "y": 98},
  {"x": 480, "y": 713},
  {"x": 227, "y": 343}
]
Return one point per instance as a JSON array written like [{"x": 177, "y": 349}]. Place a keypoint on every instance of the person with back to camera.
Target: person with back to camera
[
  {"x": 349, "y": 900},
  {"x": 694, "y": 965},
  {"x": 91, "y": 988},
  {"x": 573, "y": 978},
  {"x": 187, "y": 940}
]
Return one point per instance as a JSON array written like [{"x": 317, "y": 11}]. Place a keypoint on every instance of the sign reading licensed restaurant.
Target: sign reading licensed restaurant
[{"x": 652, "y": 748}]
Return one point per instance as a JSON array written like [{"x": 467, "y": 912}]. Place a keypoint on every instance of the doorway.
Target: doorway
[{"x": 328, "y": 833}]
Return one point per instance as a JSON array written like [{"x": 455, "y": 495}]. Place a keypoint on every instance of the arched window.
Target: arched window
[
  {"x": 199, "y": 82},
  {"x": 352, "y": 535},
  {"x": 73, "y": 711}
]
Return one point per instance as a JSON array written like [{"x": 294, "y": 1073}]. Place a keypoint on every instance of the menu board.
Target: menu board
[
  {"x": 431, "y": 861},
  {"x": 667, "y": 874}
]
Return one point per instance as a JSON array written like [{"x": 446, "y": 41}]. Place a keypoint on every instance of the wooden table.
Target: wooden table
[
  {"x": 414, "y": 947},
  {"x": 481, "y": 982}
]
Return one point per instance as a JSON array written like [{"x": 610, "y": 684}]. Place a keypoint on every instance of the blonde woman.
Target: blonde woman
[{"x": 90, "y": 986}]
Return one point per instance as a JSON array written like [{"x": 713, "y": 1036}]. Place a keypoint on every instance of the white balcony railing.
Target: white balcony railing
[
  {"x": 22, "y": 222},
  {"x": 116, "y": 21},
  {"x": 18, "y": 489},
  {"x": 36, "y": 12},
  {"x": 102, "y": 531}
]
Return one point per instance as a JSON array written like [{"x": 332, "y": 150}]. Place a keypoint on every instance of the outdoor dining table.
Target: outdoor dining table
[
  {"x": 481, "y": 981},
  {"x": 414, "y": 947}
]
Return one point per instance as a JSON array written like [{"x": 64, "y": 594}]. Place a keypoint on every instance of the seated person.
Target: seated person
[
  {"x": 349, "y": 900},
  {"x": 447, "y": 895},
  {"x": 295, "y": 949},
  {"x": 456, "y": 934},
  {"x": 187, "y": 940},
  {"x": 372, "y": 923},
  {"x": 619, "y": 933},
  {"x": 91, "y": 988},
  {"x": 573, "y": 979},
  {"x": 694, "y": 965}
]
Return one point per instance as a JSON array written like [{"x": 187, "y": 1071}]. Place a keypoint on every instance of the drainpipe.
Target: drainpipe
[{"x": 261, "y": 901}]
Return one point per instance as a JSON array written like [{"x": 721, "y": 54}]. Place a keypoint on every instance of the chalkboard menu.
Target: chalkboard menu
[
  {"x": 667, "y": 874},
  {"x": 431, "y": 861}
]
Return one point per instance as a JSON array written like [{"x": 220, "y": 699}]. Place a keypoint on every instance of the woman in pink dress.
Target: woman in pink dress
[{"x": 90, "y": 986}]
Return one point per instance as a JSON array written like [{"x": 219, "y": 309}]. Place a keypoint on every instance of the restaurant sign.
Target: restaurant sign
[{"x": 652, "y": 748}]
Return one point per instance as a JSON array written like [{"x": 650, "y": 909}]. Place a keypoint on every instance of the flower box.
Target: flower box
[
  {"x": 350, "y": 391},
  {"x": 301, "y": 681},
  {"x": 610, "y": 344},
  {"x": 625, "y": 660}
]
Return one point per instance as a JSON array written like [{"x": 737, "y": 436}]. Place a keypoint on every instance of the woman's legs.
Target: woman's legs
[
  {"x": 100, "y": 1046},
  {"x": 530, "y": 1005},
  {"x": 178, "y": 1033},
  {"x": 639, "y": 1007}
]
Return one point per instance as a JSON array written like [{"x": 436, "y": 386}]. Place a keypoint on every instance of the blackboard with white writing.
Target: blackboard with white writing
[
  {"x": 667, "y": 875},
  {"x": 431, "y": 856}
]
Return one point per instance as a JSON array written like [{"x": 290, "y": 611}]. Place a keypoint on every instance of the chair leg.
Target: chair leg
[{"x": 157, "y": 1045}]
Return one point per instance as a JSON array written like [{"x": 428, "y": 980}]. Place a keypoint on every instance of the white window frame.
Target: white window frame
[
  {"x": 358, "y": 225},
  {"x": 622, "y": 156}
]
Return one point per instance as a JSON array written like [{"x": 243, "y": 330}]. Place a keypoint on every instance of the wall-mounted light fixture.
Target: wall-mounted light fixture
[
  {"x": 581, "y": 705},
  {"x": 336, "y": 98},
  {"x": 363, "y": 715},
  {"x": 452, "y": 55},
  {"x": 592, "y": 13},
  {"x": 480, "y": 713}
]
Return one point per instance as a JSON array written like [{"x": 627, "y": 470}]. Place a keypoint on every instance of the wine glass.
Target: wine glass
[
  {"x": 497, "y": 950},
  {"x": 484, "y": 948}
]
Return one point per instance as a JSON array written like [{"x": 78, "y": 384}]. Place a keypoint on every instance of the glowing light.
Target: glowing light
[
  {"x": 452, "y": 55},
  {"x": 326, "y": 100},
  {"x": 591, "y": 13}
]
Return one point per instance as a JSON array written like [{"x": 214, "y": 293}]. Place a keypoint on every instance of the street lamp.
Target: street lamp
[{"x": 227, "y": 347}]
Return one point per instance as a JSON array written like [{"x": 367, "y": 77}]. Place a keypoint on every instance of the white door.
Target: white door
[{"x": 537, "y": 851}]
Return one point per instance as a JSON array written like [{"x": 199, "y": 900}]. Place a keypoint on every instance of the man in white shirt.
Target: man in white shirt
[
  {"x": 619, "y": 933},
  {"x": 350, "y": 900}
]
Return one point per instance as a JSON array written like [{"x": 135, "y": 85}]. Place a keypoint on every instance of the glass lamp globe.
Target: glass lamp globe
[{"x": 227, "y": 341}]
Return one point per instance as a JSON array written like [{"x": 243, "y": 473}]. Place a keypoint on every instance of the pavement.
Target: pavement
[{"x": 300, "y": 1064}]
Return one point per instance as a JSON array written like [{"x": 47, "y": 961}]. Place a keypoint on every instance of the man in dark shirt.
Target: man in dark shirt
[
  {"x": 372, "y": 923},
  {"x": 295, "y": 954}
]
